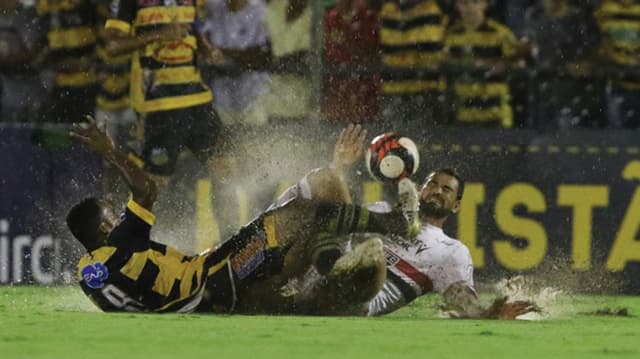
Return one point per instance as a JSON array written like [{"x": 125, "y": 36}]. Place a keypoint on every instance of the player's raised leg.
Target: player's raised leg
[
  {"x": 355, "y": 278},
  {"x": 296, "y": 236}
]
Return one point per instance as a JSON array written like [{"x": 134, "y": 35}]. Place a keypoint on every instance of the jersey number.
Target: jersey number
[{"x": 121, "y": 300}]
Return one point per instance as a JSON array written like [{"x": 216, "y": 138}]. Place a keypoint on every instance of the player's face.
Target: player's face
[
  {"x": 439, "y": 196},
  {"x": 110, "y": 217}
]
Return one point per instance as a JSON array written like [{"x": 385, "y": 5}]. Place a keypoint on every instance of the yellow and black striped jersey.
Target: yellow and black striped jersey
[
  {"x": 163, "y": 74},
  {"x": 480, "y": 97},
  {"x": 71, "y": 35},
  {"x": 113, "y": 72},
  {"x": 620, "y": 27},
  {"x": 411, "y": 37},
  {"x": 133, "y": 273}
]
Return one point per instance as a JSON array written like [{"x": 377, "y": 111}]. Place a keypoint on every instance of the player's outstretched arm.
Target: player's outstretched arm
[
  {"x": 462, "y": 302},
  {"x": 142, "y": 186},
  {"x": 119, "y": 43}
]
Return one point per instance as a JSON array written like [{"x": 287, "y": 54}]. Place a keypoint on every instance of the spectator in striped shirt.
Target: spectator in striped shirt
[{"x": 619, "y": 22}]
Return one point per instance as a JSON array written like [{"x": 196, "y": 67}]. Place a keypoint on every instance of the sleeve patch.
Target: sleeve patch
[
  {"x": 141, "y": 212},
  {"x": 95, "y": 275}
]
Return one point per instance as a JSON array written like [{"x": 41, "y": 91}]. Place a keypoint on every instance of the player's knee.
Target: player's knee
[{"x": 327, "y": 185}]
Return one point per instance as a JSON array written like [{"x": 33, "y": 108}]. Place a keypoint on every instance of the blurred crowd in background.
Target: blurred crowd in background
[{"x": 543, "y": 64}]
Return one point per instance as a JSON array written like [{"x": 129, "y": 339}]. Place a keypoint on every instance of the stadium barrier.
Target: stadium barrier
[
  {"x": 41, "y": 176},
  {"x": 567, "y": 202}
]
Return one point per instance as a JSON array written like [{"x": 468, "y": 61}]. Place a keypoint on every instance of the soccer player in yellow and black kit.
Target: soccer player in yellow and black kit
[
  {"x": 167, "y": 89},
  {"x": 113, "y": 105},
  {"x": 619, "y": 22},
  {"x": 71, "y": 44},
  {"x": 124, "y": 270}
]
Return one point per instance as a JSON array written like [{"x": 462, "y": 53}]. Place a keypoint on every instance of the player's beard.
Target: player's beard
[{"x": 434, "y": 208}]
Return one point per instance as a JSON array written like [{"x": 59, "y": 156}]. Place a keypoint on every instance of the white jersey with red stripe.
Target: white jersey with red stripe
[{"x": 431, "y": 262}]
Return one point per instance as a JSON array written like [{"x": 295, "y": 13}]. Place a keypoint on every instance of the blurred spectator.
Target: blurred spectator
[
  {"x": 167, "y": 89},
  {"x": 20, "y": 43},
  {"x": 289, "y": 24},
  {"x": 71, "y": 34},
  {"x": 480, "y": 51},
  {"x": 238, "y": 29},
  {"x": 113, "y": 105},
  {"x": 619, "y": 22},
  {"x": 564, "y": 38},
  {"x": 411, "y": 36},
  {"x": 514, "y": 15},
  {"x": 351, "y": 38}
]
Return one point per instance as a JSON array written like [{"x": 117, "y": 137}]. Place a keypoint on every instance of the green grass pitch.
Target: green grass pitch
[{"x": 59, "y": 322}]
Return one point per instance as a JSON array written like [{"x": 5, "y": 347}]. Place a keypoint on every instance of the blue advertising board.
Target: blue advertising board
[{"x": 41, "y": 176}]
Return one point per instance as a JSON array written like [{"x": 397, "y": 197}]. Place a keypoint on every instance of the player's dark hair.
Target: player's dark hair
[
  {"x": 453, "y": 173},
  {"x": 84, "y": 221}
]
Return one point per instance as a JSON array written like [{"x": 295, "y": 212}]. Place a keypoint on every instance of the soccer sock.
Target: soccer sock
[
  {"x": 340, "y": 219},
  {"x": 335, "y": 220}
]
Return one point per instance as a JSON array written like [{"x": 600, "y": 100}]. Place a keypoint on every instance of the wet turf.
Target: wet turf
[{"x": 60, "y": 322}]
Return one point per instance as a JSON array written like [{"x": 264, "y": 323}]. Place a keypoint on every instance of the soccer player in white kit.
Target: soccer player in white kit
[{"x": 432, "y": 261}]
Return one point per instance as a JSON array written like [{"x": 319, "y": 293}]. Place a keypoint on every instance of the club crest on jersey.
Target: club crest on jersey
[
  {"x": 390, "y": 257},
  {"x": 95, "y": 275}
]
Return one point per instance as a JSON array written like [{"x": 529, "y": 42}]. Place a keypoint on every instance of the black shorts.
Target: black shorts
[
  {"x": 167, "y": 133},
  {"x": 253, "y": 254}
]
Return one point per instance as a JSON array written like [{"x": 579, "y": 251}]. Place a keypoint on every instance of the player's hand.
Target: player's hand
[
  {"x": 349, "y": 147},
  {"x": 209, "y": 54},
  {"x": 501, "y": 309},
  {"x": 213, "y": 56},
  {"x": 97, "y": 139}
]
